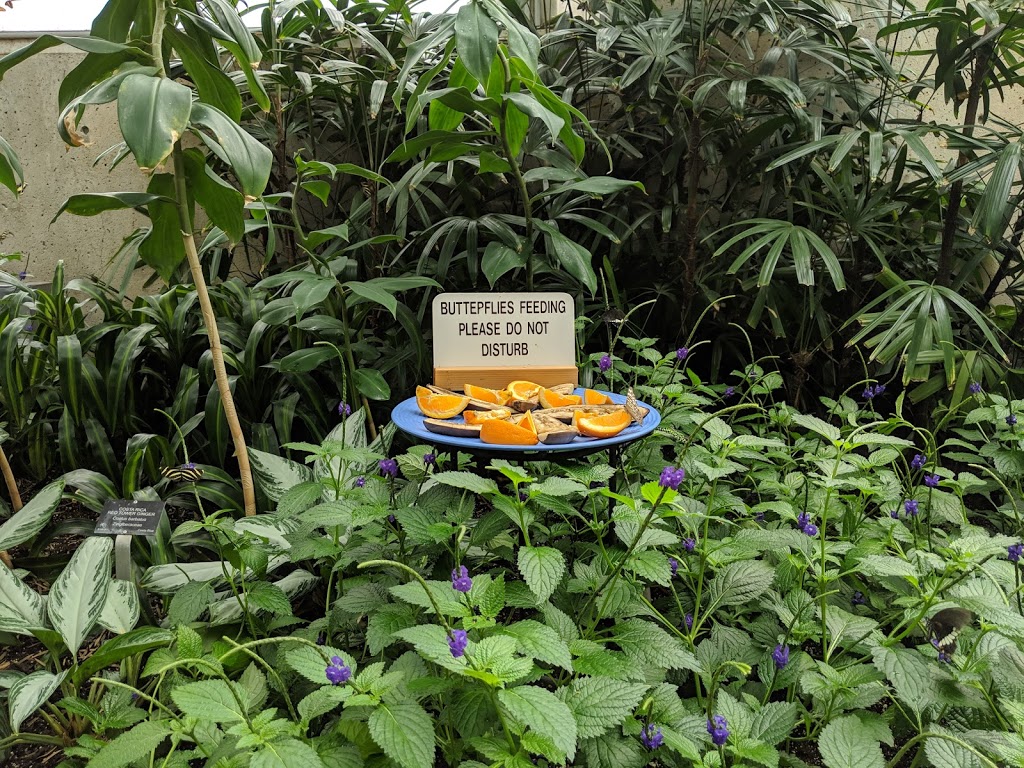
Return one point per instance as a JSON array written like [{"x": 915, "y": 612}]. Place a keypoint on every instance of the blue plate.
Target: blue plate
[{"x": 407, "y": 417}]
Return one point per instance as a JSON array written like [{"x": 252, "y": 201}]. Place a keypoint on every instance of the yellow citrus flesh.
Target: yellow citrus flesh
[
  {"x": 441, "y": 406},
  {"x": 496, "y": 432},
  {"x": 593, "y": 397},
  {"x": 606, "y": 425},
  {"x": 479, "y": 417},
  {"x": 550, "y": 399},
  {"x": 498, "y": 397},
  {"x": 523, "y": 390}
]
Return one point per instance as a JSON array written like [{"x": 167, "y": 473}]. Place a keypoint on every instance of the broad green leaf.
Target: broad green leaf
[
  {"x": 211, "y": 700},
  {"x": 405, "y": 732},
  {"x": 77, "y": 596},
  {"x": 27, "y": 522},
  {"x": 94, "y": 203},
  {"x": 542, "y": 711},
  {"x": 29, "y": 693},
  {"x": 311, "y": 664},
  {"x": 498, "y": 260},
  {"x": 223, "y": 203},
  {"x": 371, "y": 384},
  {"x": 943, "y": 753},
  {"x": 214, "y": 86},
  {"x": 134, "y": 643},
  {"x": 650, "y": 645},
  {"x": 11, "y": 174},
  {"x": 542, "y": 569},
  {"x": 121, "y": 609},
  {"x": 286, "y": 753},
  {"x": 814, "y": 424},
  {"x": 153, "y": 113},
  {"x": 740, "y": 583},
  {"x": 275, "y": 475},
  {"x": 601, "y": 703},
  {"x": 476, "y": 39},
  {"x": 540, "y": 642},
  {"x": 372, "y": 291},
  {"x": 132, "y": 745},
  {"x": 249, "y": 159},
  {"x": 21, "y": 607},
  {"x": 87, "y": 44},
  {"x": 467, "y": 481},
  {"x": 571, "y": 256},
  {"x": 774, "y": 721},
  {"x": 848, "y": 743}
]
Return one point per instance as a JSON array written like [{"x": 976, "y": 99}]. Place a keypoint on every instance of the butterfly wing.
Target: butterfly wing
[
  {"x": 632, "y": 408},
  {"x": 182, "y": 474},
  {"x": 945, "y": 626}
]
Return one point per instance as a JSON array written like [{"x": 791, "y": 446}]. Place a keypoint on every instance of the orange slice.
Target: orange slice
[
  {"x": 593, "y": 397},
  {"x": 439, "y": 406},
  {"x": 607, "y": 425},
  {"x": 506, "y": 433},
  {"x": 479, "y": 417},
  {"x": 523, "y": 390},
  {"x": 486, "y": 395},
  {"x": 526, "y": 421},
  {"x": 551, "y": 399}
]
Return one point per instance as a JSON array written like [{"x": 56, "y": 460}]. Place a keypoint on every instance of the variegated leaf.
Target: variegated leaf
[
  {"x": 78, "y": 594},
  {"x": 121, "y": 609},
  {"x": 29, "y": 693},
  {"x": 32, "y": 518},
  {"x": 21, "y": 608},
  {"x": 276, "y": 475}
]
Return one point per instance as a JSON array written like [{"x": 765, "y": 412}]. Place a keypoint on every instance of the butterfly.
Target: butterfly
[
  {"x": 186, "y": 473},
  {"x": 945, "y": 626},
  {"x": 632, "y": 408}
]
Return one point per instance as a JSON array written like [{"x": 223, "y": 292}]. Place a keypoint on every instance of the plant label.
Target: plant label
[
  {"x": 490, "y": 339},
  {"x": 133, "y": 518}
]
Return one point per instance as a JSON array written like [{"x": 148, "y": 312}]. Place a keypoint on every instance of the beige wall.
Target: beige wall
[{"x": 53, "y": 172}]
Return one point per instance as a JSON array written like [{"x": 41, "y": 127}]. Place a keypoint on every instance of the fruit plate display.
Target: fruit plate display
[{"x": 408, "y": 418}]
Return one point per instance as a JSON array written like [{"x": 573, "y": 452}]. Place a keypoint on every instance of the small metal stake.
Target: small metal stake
[{"x": 123, "y": 557}]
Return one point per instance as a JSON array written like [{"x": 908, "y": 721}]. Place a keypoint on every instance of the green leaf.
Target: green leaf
[
  {"x": 121, "y": 608},
  {"x": 11, "y": 174},
  {"x": 371, "y": 291},
  {"x": 92, "y": 204},
  {"x": 774, "y": 721},
  {"x": 28, "y": 521},
  {"x": 87, "y": 44},
  {"x": 153, "y": 113},
  {"x": 21, "y": 608},
  {"x": 223, "y": 203},
  {"x": 540, "y": 642},
  {"x": 311, "y": 664},
  {"x": 371, "y": 384},
  {"x": 286, "y": 753},
  {"x": 162, "y": 248},
  {"x": 29, "y": 693},
  {"x": 210, "y": 700},
  {"x": 542, "y": 569},
  {"x": 405, "y": 732},
  {"x": 814, "y": 424},
  {"x": 134, "y": 643},
  {"x": 848, "y": 743},
  {"x": 323, "y": 700},
  {"x": 476, "y": 39},
  {"x": 77, "y": 596},
  {"x": 542, "y": 711},
  {"x": 601, "y": 703},
  {"x": 498, "y": 260},
  {"x": 249, "y": 159},
  {"x": 652, "y": 646},
  {"x": 275, "y": 475},
  {"x": 573, "y": 257},
  {"x": 467, "y": 481},
  {"x": 942, "y": 753},
  {"x": 740, "y": 583},
  {"x": 215, "y": 87},
  {"x": 132, "y": 745}
]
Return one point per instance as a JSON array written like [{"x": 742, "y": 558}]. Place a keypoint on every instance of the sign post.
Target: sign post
[
  {"x": 125, "y": 519},
  {"x": 490, "y": 339}
]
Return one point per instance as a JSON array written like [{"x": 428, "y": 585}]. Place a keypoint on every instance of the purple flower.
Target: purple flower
[
  {"x": 388, "y": 467},
  {"x": 457, "y": 642},
  {"x": 932, "y": 481},
  {"x": 718, "y": 730},
  {"x": 1014, "y": 551},
  {"x": 804, "y": 523},
  {"x": 344, "y": 409},
  {"x": 682, "y": 353},
  {"x": 781, "y": 656},
  {"x": 360, "y": 481},
  {"x": 392, "y": 519},
  {"x": 689, "y": 544},
  {"x": 23, "y": 275},
  {"x": 974, "y": 388},
  {"x": 917, "y": 462},
  {"x": 189, "y": 465},
  {"x": 460, "y": 579},
  {"x": 1011, "y": 420},
  {"x": 871, "y": 392},
  {"x": 672, "y": 477},
  {"x": 688, "y": 621},
  {"x": 910, "y": 506},
  {"x": 338, "y": 671},
  {"x": 895, "y": 514},
  {"x": 605, "y": 363},
  {"x": 858, "y": 598},
  {"x": 759, "y": 517},
  {"x": 430, "y": 460},
  {"x": 944, "y": 656},
  {"x": 729, "y": 392},
  {"x": 673, "y": 566},
  {"x": 523, "y": 496},
  {"x": 651, "y": 736},
  {"x": 879, "y": 389},
  {"x": 321, "y": 638}
]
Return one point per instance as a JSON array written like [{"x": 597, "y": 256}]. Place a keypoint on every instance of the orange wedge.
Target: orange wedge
[
  {"x": 607, "y": 425},
  {"x": 506, "y": 433},
  {"x": 479, "y": 417},
  {"x": 526, "y": 422},
  {"x": 523, "y": 390},
  {"x": 551, "y": 399},
  {"x": 486, "y": 395},
  {"x": 439, "y": 406},
  {"x": 593, "y": 397}
]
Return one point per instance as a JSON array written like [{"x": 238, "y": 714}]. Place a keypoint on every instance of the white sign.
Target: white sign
[{"x": 495, "y": 330}]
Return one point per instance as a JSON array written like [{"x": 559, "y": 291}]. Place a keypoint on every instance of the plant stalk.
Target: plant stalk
[
  {"x": 212, "y": 331},
  {"x": 12, "y": 490}
]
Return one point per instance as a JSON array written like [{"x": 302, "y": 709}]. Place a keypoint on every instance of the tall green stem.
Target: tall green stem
[{"x": 517, "y": 174}]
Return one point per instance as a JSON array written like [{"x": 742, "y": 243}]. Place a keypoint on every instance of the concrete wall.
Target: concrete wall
[{"x": 53, "y": 172}]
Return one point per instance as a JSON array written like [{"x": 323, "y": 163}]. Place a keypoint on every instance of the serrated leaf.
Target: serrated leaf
[
  {"x": 211, "y": 700},
  {"x": 740, "y": 583},
  {"x": 132, "y": 745},
  {"x": 652, "y": 646},
  {"x": 814, "y": 424},
  {"x": 77, "y": 596},
  {"x": 467, "y": 481},
  {"x": 601, "y": 703},
  {"x": 311, "y": 663},
  {"x": 189, "y": 602},
  {"x": 121, "y": 608},
  {"x": 848, "y": 743},
  {"x": 774, "y": 721},
  {"x": 405, "y": 732},
  {"x": 286, "y": 753},
  {"x": 542, "y": 711},
  {"x": 323, "y": 700},
  {"x": 542, "y": 569},
  {"x": 540, "y": 642},
  {"x": 942, "y": 753}
]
